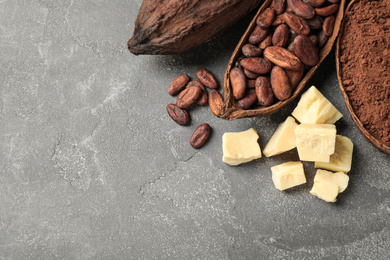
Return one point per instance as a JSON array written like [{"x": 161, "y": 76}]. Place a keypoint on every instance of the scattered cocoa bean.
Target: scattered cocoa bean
[
  {"x": 238, "y": 82},
  {"x": 264, "y": 92},
  {"x": 200, "y": 135},
  {"x": 188, "y": 96},
  {"x": 301, "y": 8},
  {"x": 178, "y": 84},
  {"x": 215, "y": 102},
  {"x": 305, "y": 50},
  {"x": 281, "y": 35},
  {"x": 282, "y": 57},
  {"x": 250, "y": 50},
  {"x": 203, "y": 99},
  {"x": 267, "y": 41},
  {"x": 327, "y": 10},
  {"x": 206, "y": 78},
  {"x": 257, "y": 35},
  {"x": 256, "y": 65},
  {"x": 179, "y": 115},
  {"x": 298, "y": 24},
  {"x": 280, "y": 83},
  {"x": 248, "y": 100},
  {"x": 329, "y": 25}
]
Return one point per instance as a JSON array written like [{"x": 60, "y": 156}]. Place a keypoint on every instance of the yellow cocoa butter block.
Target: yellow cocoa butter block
[
  {"x": 240, "y": 147},
  {"x": 288, "y": 175},
  {"x": 341, "y": 160},
  {"x": 283, "y": 139},
  {"x": 314, "y": 108},
  {"x": 327, "y": 185},
  {"x": 315, "y": 142}
]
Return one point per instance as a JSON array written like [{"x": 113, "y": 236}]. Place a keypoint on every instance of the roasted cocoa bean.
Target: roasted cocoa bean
[
  {"x": 215, "y": 102},
  {"x": 200, "y": 136},
  {"x": 295, "y": 76},
  {"x": 301, "y": 8},
  {"x": 266, "y": 18},
  {"x": 315, "y": 22},
  {"x": 251, "y": 83},
  {"x": 315, "y": 3},
  {"x": 282, "y": 57},
  {"x": 278, "y": 20},
  {"x": 250, "y": 50},
  {"x": 250, "y": 74},
  {"x": 333, "y": 1},
  {"x": 266, "y": 42},
  {"x": 248, "y": 100},
  {"x": 204, "y": 98},
  {"x": 281, "y": 35},
  {"x": 322, "y": 39},
  {"x": 329, "y": 25},
  {"x": 264, "y": 92},
  {"x": 313, "y": 39},
  {"x": 256, "y": 65},
  {"x": 188, "y": 96},
  {"x": 297, "y": 23},
  {"x": 179, "y": 115},
  {"x": 327, "y": 10},
  {"x": 178, "y": 84},
  {"x": 305, "y": 50},
  {"x": 280, "y": 83},
  {"x": 279, "y": 6},
  {"x": 257, "y": 35},
  {"x": 238, "y": 61},
  {"x": 238, "y": 82},
  {"x": 291, "y": 47},
  {"x": 206, "y": 78}
]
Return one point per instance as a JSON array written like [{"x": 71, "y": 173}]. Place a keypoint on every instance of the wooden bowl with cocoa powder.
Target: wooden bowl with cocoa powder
[
  {"x": 363, "y": 61},
  {"x": 231, "y": 110}
]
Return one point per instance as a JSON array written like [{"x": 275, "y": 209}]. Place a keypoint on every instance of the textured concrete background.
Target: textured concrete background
[{"x": 93, "y": 168}]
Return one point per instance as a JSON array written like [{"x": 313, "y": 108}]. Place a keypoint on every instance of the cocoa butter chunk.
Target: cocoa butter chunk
[{"x": 206, "y": 78}]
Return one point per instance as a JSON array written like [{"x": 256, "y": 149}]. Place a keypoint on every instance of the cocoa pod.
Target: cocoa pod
[
  {"x": 295, "y": 76},
  {"x": 278, "y": 20},
  {"x": 296, "y": 23},
  {"x": 301, "y": 8},
  {"x": 188, "y": 96},
  {"x": 250, "y": 50},
  {"x": 178, "y": 84},
  {"x": 282, "y": 57},
  {"x": 200, "y": 135},
  {"x": 266, "y": 18},
  {"x": 280, "y": 83},
  {"x": 279, "y": 6},
  {"x": 315, "y": 22},
  {"x": 322, "y": 39},
  {"x": 248, "y": 100},
  {"x": 238, "y": 82},
  {"x": 206, "y": 78},
  {"x": 173, "y": 27},
  {"x": 264, "y": 92},
  {"x": 251, "y": 83},
  {"x": 327, "y": 10},
  {"x": 329, "y": 25},
  {"x": 179, "y": 115},
  {"x": 281, "y": 35},
  {"x": 250, "y": 74},
  {"x": 256, "y": 65},
  {"x": 315, "y": 3},
  {"x": 305, "y": 50},
  {"x": 257, "y": 35},
  {"x": 203, "y": 99},
  {"x": 215, "y": 102},
  {"x": 266, "y": 42}
]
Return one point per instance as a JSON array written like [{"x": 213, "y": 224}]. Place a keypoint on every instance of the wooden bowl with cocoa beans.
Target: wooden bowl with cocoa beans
[{"x": 284, "y": 44}]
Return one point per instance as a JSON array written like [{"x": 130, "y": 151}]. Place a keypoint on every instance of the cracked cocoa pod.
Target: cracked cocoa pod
[{"x": 175, "y": 26}]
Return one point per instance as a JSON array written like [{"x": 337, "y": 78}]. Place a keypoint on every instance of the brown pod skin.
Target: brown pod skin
[
  {"x": 251, "y": 83},
  {"x": 188, "y": 96},
  {"x": 178, "y": 84},
  {"x": 322, "y": 39},
  {"x": 329, "y": 25},
  {"x": 266, "y": 18},
  {"x": 250, "y": 50},
  {"x": 215, "y": 102},
  {"x": 282, "y": 57},
  {"x": 315, "y": 3},
  {"x": 264, "y": 93},
  {"x": 206, "y": 78},
  {"x": 179, "y": 115},
  {"x": 328, "y": 10},
  {"x": 238, "y": 82},
  {"x": 200, "y": 136},
  {"x": 281, "y": 35},
  {"x": 301, "y": 9},
  {"x": 248, "y": 100},
  {"x": 266, "y": 42},
  {"x": 298, "y": 24},
  {"x": 203, "y": 99},
  {"x": 313, "y": 39},
  {"x": 280, "y": 83},
  {"x": 256, "y": 65},
  {"x": 305, "y": 50},
  {"x": 250, "y": 74},
  {"x": 278, "y": 20},
  {"x": 257, "y": 35},
  {"x": 279, "y": 6},
  {"x": 315, "y": 22},
  {"x": 295, "y": 76}
]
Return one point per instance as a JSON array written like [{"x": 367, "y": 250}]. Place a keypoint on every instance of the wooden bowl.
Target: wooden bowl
[{"x": 231, "y": 110}]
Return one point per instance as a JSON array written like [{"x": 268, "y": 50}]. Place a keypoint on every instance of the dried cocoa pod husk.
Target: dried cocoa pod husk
[
  {"x": 231, "y": 110},
  {"x": 175, "y": 26}
]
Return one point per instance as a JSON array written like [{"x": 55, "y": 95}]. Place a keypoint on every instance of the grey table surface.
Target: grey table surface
[{"x": 92, "y": 167}]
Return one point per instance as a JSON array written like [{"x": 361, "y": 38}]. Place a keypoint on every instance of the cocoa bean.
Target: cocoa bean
[
  {"x": 266, "y": 42},
  {"x": 305, "y": 50},
  {"x": 238, "y": 61},
  {"x": 258, "y": 34},
  {"x": 203, "y": 99},
  {"x": 322, "y": 39},
  {"x": 238, "y": 82},
  {"x": 248, "y": 100},
  {"x": 200, "y": 135},
  {"x": 179, "y": 115},
  {"x": 327, "y": 10},
  {"x": 279, "y": 6},
  {"x": 250, "y": 50},
  {"x": 278, "y": 20},
  {"x": 280, "y": 83},
  {"x": 329, "y": 25},
  {"x": 301, "y": 9},
  {"x": 281, "y": 35},
  {"x": 256, "y": 65},
  {"x": 264, "y": 92},
  {"x": 295, "y": 76},
  {"x": 206, "y": 78},
  {"x": 215, "y": 102},
  {"x": 315, "y": 3},
  {"x": 178, "y": 84},
  {"x": 251, "y": 83},
  {"x": 333, "y": 1},
  {"x": 313, "y": 39},
  {"x": 266, "y": 18},
  {"x": 291, "y": 47},
  {"x": 297, "y": 23},
  {"x": 250, "y": 74},
  {"x": 282, "y": 57},
  {"x": 188, "y": 96},
  {"x": 315, "y": 22}
]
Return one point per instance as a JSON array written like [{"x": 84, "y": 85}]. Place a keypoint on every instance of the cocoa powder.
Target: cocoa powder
[{"x": 365, "y": 62}]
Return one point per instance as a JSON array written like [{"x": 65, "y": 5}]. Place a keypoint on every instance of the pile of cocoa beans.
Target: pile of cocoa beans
[{"x": 283, "y": 45}]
